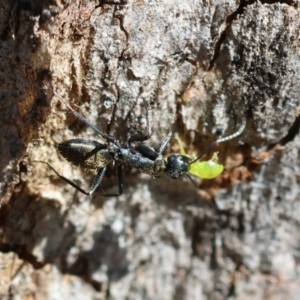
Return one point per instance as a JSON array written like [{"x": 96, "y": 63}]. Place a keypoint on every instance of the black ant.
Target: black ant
[{"x": 90, "y": 154}]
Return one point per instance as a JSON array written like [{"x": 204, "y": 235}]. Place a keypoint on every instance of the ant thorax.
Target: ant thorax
[{"x": 147, "y": 164}]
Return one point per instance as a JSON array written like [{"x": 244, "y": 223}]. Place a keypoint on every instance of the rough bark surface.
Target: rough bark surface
[{"x": 201, "y": 67}]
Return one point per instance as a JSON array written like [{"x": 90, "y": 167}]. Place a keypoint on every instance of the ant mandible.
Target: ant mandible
[{"x": 91, "y": 154}]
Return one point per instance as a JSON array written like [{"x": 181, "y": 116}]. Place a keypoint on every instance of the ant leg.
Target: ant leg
[
  {"x": 95, "y": 184},
  {"x": 165, "y": 143},
  {"x": 84, "y": 120},
  {"x": 120, "y": 183},
  {"x": 120, "y": 179},
  {"x": 142, "y": 137},
  {"x": 149, "y": 129},
  {"x": 149, "y": 152},
  {"x": 97, "y": 180}
]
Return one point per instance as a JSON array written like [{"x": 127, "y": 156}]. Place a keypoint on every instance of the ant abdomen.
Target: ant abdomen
[{"x": 85, "y": 153}]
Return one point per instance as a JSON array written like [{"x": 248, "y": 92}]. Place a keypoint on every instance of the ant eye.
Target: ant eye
[{"x": 179, "y": 159}]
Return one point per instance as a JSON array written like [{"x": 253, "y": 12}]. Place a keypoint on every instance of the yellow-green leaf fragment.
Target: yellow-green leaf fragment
[{"x": 208, "y": 169}]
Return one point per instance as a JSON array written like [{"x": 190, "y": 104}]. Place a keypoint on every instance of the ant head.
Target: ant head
[{"x": 177, "y": 165}]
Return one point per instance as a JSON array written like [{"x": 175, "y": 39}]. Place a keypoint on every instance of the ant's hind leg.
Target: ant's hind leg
[
  {"x": 95, "y": 184},
  {"x": 120, "y": 179},
  {"x": 120, "y": 183}
]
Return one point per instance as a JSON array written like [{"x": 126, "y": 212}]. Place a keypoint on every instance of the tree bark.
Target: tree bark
[{"x": 200, "y": 67}]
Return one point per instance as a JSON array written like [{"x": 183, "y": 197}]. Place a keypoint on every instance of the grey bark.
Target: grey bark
[{"x": 201, "y": 66}]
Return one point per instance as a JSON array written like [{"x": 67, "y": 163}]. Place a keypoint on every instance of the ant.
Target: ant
[{"x": 91, "y": 154}]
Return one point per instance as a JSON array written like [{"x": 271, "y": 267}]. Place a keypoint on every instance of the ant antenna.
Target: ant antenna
[
  {"x": 221, "y": 140},
  {"x": 192, "y": 180}
]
